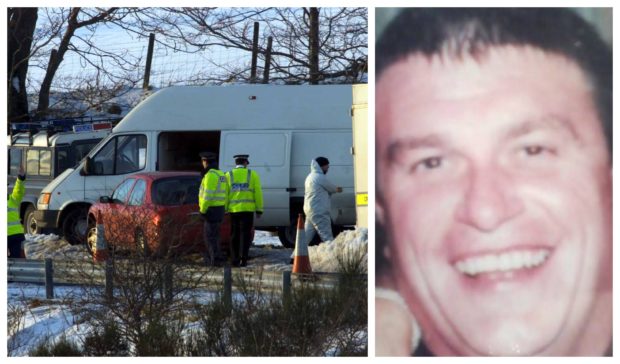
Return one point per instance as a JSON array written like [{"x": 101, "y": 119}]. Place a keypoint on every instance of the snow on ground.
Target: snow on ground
[
  {"x": 52, "y": 319},
  {"x": 348, "y": 244},
  {"x": 52, "y": 246},
  {"x": 266, "y": 238},
  {"x": 266, "y": 251}
]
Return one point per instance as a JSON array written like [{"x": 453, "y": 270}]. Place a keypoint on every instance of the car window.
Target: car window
[
  {"x": 137, "y": 194},
  {"x": 176, "y": 190},
  {"x": 121, "y": 192}
]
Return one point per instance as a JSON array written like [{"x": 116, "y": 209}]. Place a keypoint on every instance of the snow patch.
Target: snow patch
[
  {"x": 52, "y": 246},
  {"x": 349, "y": 244}
]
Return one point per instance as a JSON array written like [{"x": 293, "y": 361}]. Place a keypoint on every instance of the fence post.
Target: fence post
[
  {"x": 149, "y": 58},
  {"x": 49, "y": 278},
  {"x": 286, "y": 286},
  {"x": 267, "y": 60},
  {"x": 254, "y": 54},
  {"x": 109, "y": 279},
  {"x": 228, "y": 286}
]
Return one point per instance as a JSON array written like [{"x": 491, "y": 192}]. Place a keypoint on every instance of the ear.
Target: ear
[
  {"x": 380, "y": 215},
  {"x": 379, "y": 211}
]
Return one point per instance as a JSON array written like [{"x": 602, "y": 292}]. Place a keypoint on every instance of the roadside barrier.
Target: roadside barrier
[{"x": 66, "y": 272}]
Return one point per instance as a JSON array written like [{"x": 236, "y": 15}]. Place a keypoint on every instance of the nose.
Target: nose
[{"x": 489, "y": 200}]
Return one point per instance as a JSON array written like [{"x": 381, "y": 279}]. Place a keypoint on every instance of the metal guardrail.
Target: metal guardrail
[{"x": 62, "y": 272}]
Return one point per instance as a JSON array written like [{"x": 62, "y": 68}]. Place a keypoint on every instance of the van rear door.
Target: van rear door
[{"x": 270, "y": 156}]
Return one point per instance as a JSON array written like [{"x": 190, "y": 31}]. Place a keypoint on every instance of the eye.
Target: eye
[
  {"x": 427, "y": 163},
  {"x": 535, "y": 150}
]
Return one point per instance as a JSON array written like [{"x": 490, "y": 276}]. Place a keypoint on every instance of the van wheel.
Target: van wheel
[
  {"x": 288, "y": 235},
  {"x": 75, "y": 226},
  {"x": 30, "y": 223}
]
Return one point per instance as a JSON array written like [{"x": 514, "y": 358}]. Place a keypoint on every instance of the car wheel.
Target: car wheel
[
  {"x": 75, "y": 226},
  {"x": 30, "y": 223},
  {"x": 91, "y": 239}
]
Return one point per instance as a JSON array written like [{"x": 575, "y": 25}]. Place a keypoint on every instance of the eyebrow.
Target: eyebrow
[
  {"x": 408, "y": 143},
  {"x": 551, "y": 122}
]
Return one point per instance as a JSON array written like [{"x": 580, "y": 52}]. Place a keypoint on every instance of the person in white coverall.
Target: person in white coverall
[{"x": 317, "y": 201}]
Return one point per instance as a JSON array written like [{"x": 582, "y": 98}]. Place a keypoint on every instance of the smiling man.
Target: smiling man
[{"x": 493, "y": 132}]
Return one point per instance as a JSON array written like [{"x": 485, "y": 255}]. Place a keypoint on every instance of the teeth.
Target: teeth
[{"x": 502, "y": 262}]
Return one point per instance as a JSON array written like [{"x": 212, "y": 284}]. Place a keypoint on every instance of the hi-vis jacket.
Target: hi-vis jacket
[
  {"x": 14, "y": 226},
  {"x": 213, "y": 190},
  {"x": 246, "y": 194}
]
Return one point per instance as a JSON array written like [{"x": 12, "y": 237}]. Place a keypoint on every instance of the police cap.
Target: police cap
[
  {"x": 210, "y": 156},
  {"x": 241, "y": 157}
]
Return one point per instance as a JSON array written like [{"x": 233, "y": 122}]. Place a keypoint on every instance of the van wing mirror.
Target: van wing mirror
[
  {"x": 105, "y": 199},
  {"x": 87, "y": 167}
]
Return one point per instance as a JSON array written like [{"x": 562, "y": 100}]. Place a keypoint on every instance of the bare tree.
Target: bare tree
[
  {"x": 113, "y": 71},
  {"x": 21, "y": 26},
  {"x": 309, "y": 44}
]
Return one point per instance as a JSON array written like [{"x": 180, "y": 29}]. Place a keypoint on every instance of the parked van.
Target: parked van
[
  {"x": 282, "y": 128},
  {"x": 45, "y": 155}
]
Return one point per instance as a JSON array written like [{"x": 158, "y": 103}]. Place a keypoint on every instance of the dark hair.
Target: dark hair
[
  {"x": 454, "y": 32},
  {"x": 322, "y": 161}
]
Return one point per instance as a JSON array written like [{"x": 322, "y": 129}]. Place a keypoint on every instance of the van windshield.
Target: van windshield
[{"x": 176, "y": 190}]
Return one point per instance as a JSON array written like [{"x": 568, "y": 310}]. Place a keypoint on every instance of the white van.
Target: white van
[
  {"x": 45, "y": 155},
  {"x": 282, "y": 128}
]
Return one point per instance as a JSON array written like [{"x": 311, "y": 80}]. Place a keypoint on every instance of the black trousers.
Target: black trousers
[
  {"x": 241, "y": 239},
  {"x": 211, "y": 234},
  {"x": 15, "y": 245}
]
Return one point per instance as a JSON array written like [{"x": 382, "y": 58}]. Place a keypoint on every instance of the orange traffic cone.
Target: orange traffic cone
[
  {"x": 302, "y": 260},
  {"x": 101, "y": 248}
]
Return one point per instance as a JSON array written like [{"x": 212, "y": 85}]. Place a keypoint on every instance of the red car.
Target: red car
[{"x": 154, "y": 213}]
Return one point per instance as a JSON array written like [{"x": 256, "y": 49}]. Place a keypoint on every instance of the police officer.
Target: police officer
[
  {"x": 15, "y": 230},
  {"x": 212, "y": 198},
  {"x": 245, "y": 198}
]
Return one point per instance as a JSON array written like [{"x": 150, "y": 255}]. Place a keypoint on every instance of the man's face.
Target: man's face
[
  {"x": 325, "y": 168},
  {"x": 205, "y": 163},
  {"x": 495, "y": 188}
]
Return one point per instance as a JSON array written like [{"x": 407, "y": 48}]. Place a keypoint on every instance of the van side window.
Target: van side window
[
  {"x": 62, "y": 159},
  {"x": 38, "y": 162},
  {"x": 104, "y": 159},
  {"x": 130, "y": 153},
  {"x": 15, "y": 155},
  {"x": 122, "y": 154},
  {"x": 80, "y": 149}
]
